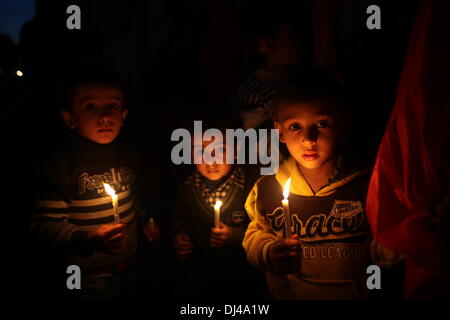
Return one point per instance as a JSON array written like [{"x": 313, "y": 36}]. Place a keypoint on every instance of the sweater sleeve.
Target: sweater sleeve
[
  {"x": 50, "y": 221},
  {"x": 259, "y": 235},
  {"x": 179, "y": 217}
]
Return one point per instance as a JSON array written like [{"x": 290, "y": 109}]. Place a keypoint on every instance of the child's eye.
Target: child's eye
[
  {"x": 114, "y": 107},
  {"x": 294, "y": 127},
  {"x": 323, "y": 124},
  {"x": 89, "y": 107}
]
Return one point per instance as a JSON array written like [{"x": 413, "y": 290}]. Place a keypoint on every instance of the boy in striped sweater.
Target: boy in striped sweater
[{"x": 75, "y": 214}]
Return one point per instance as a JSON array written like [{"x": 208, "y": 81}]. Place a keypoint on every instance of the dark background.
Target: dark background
[{"x": 178, "y": 59}]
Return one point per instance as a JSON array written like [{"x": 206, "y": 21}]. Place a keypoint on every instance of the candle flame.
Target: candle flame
[
  {"x": 218, "y": 204},
  {"x": 286, "y": 188},
  {"x": 109, "y": 190}
]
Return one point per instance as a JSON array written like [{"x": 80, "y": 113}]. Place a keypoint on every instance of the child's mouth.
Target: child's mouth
[
  {"x": 105, "y": 130},
  {"x": 310, "y": 156}
]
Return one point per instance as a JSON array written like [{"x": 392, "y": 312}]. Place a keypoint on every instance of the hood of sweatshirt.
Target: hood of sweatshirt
[{"x": 299, "y": 185}]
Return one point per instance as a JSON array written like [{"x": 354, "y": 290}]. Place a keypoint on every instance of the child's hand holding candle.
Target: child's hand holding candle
[
  {"x": 183, "y": 246},
  {"x": 108, "y": 238},
  {"x": 220, "y": 237},
  {"x": 282, "y": 258}
]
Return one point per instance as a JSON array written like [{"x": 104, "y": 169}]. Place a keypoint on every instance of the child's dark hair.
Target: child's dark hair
[
  {"x": 265, "y": 18},
  {"x": 312, "y": 85},
  {"x": 73, "y": 80}
]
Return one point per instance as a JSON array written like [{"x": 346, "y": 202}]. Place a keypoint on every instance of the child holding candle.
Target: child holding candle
[
  {"x": 218, "y": 267},
  {"x": 328, "y": 253},
  {"x": 76, "y": 215}
]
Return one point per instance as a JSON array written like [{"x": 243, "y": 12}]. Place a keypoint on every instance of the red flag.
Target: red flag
[{"x": 412, "y": 172}]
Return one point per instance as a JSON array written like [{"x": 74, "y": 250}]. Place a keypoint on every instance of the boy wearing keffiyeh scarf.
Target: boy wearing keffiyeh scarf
[{"x": 217, "y": 261}]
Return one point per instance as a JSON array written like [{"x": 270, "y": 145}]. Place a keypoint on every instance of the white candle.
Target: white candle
[
  {"x": 115, "y": 202},
  {"x": 113, "y": 174},
  {"x": 151, "y": 225},
  {"x": 217, "y": 213},
  {"x": 286, "y": 212}
]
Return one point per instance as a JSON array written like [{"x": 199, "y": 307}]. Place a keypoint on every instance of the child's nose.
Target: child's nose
[
  {"x": 310, "y": 136},
  {"x": 105, "y": 114}
]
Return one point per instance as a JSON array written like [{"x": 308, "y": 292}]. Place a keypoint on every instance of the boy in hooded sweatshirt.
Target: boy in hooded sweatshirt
[{"x": 329, "y": 250}]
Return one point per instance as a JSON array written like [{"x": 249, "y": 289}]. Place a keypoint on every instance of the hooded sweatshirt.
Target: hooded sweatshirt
[{"x": 331, "y": 224}]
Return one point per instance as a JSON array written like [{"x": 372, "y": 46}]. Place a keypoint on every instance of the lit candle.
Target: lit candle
[
  {"x": 115, "y": 201},
  {"x": 151, "y": 225},
  {"x": 217, "y": 213},
  {"x": 287, "y": 214}
]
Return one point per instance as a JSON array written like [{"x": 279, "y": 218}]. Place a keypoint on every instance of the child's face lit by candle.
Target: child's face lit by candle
[
  {"x": 310, "y": 133},
  {"x": 97, "y": 112},
  {"x": 214, "y": 171}
]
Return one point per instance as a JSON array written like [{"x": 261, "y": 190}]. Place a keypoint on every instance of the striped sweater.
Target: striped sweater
[
  {"x": 255, "y": 98},
  {"x": 71, "y": 200}
]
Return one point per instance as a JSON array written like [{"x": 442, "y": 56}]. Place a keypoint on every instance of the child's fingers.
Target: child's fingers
[
  {"x": 215, "y": 242},
  {"x": 218, "y": 231},
  {"x": 293, "y": 254},
  {"x": 216, "y": 245},
  {"x": 119, "y": 248},
  {"x": 222, "y": 234},
  {"x": 113, "y": 229},
  {"x": 288, "y": 256},
  {"x": 222, "y": 225},
  {"x": 116, "y": 227},
  {"x": 184, "y": 250},
  {"x": 182, "y": 254},
  {"x": 114, "y": 245},
  {"x": 217, "y": 235},
  {"x": 182, "y": 238},
  {"x": 286, "y": 246},
  {"x": 184, "y": 244},
  {"x": 116, "y": 240},
  {"x": 218, "y": 239},
  {"x": 115, "y": 237},
  {"x": 292, "y": 242}
]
